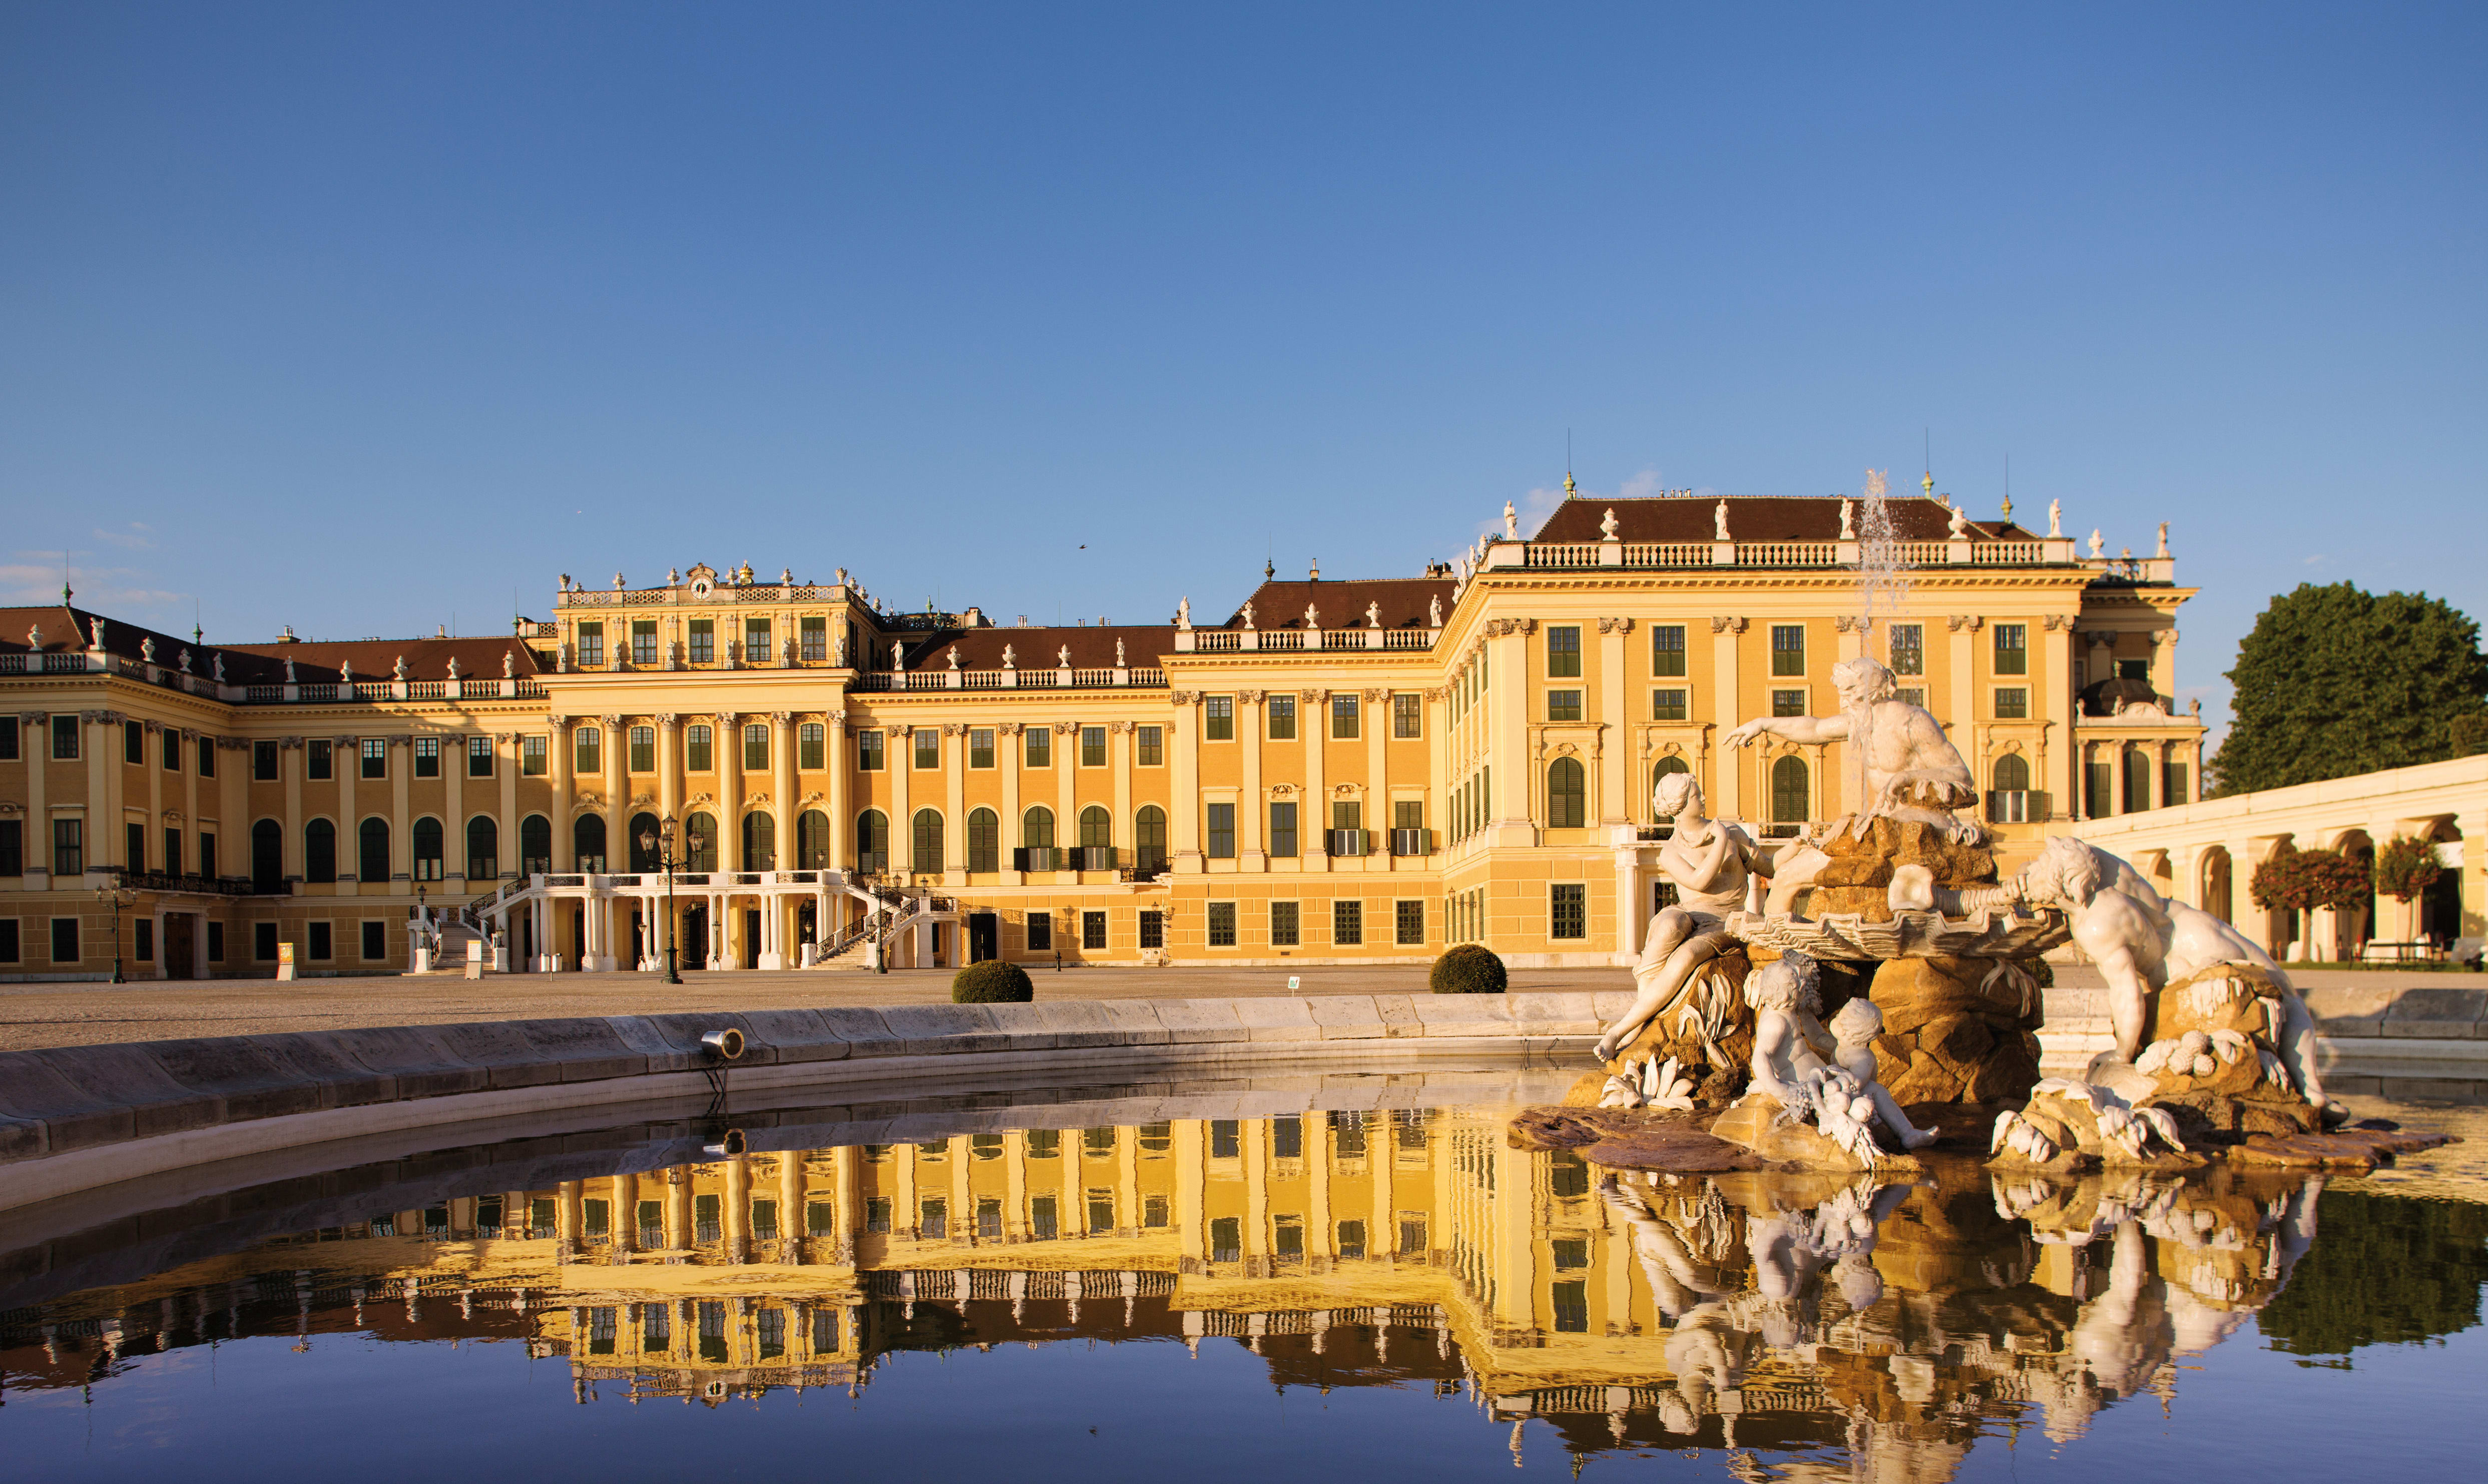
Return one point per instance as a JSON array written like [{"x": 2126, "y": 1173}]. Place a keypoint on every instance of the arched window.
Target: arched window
[
  {"x": 811, "y": 841},
  {"x": 535, "y": 845},
  {"x": 2012, "y": 773},
  {"x": 928, "y": 840},
  {"x": 482, "y": 849},
  {"x": 1096, "y": 826},
  {"x": 1149, "y": 840},
  {"x": 587, "y": 843},
  {"x": 428, "y": 849},
  {"x": 872, "y": 841},
  {"x": 985, "y": 840},
  {"x": 320, "y": 852},
  {"x": 643, "y": 857},
  {"x": 1788, "y": 778},
  {"x": 371, "y": 857},
  {"x": 268, "y": 857},
  {"x": 1037, "y": 828},
  {"x": 1567, "y": 795},
  {"x": 1671, "y": 764},
  {"x": 2138, "y": 779},
  {"x": 699, "y": 841},
  {"x": 759, "y": 841}
]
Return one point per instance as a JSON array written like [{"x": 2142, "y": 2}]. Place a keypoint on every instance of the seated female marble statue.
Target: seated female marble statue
[{"x": 1711, "y": 862}]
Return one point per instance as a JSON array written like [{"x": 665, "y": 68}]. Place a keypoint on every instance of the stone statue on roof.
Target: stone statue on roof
[
  {"x": 1063, "y": 656},
  {"x": 1118, "y": 653},
  {"x": 1848, "y": 518},
  {"x": 1313, "y": 616},
  {"x": 1373, "y": 614},
  {"x": 954, "y": 657},
  {"x": 289, "y": 670},
  {"x": 1248, "y": 614},
  {"x": 2055, "y": 518},
  {"x": 398, "y": 671},
  {"x": 453, "y": 667},
  {"x": 1183, "y": 614},
  {"x": 1608, "y": 524},
  {"x": 898, "y": 653},
  {"x": 1511, "y": 521},
  {"x": 1959, "y": 525},
  {"x": 1011, "y": 657},
  {"x": 183, "y": 660},
  {"x": 509, "y": 664},
  {"x": 219, "y": 661},
  {"x": 147, "y": 645},
  {"x": 98, "y": 625},
  {"x": 35, "y": 637},
  {"x": 2099, "y": 547},
  {"x": 1719, "y": 522},
  {"x": 346, "y": 673},
  {"x": 1434, "y": 611},
  {"x": 2164, "y": 539}
]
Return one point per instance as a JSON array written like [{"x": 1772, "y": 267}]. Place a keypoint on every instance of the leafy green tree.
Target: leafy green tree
[
  {"x": 2335, "y": 681},
  {"x": 2405, "y": 867}
]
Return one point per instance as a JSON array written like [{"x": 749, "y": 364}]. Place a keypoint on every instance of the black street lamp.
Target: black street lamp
[
  {"x": 650, "y": 841},
  {"x": 119, "y": 898}
]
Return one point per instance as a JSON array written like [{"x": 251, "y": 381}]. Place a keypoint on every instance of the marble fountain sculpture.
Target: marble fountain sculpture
[{"x": 1840, "y": 999}]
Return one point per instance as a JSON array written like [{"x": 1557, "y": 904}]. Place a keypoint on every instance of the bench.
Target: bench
[{"x": 2417, "y": 952}]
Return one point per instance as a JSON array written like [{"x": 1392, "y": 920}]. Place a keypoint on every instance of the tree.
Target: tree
[
  {"x": 2335, "y": 681},
  {"x": 2305, "y": 881},
  {"x": 2406, "y": 867}
]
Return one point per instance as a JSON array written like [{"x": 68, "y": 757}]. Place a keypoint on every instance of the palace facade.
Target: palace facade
[{"x": 1338, "y": 771}]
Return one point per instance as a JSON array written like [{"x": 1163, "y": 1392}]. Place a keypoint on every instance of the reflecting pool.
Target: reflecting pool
[{"x": 1309, "y": 1276}]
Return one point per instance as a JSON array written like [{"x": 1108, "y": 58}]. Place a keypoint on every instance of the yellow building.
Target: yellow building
[{"x": 1337, "y": 772}]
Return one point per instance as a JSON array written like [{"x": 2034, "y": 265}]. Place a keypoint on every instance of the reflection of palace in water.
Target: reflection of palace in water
[{"x": 1749, "y": 1311}]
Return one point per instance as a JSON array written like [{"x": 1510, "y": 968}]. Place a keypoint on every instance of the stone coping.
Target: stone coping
[{"x": 72, "y": 1117}]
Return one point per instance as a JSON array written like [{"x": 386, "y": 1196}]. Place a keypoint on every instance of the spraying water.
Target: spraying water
[{"x": 1883, "y": 586}]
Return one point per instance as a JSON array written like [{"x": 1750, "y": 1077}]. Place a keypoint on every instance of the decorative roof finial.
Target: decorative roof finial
[
  {"x": 1928, "y": 484},
  {"x": 1570, "y": 491}
]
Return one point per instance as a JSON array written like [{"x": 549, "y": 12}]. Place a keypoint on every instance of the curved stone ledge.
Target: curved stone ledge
[{"x": 74, "y": 1117}]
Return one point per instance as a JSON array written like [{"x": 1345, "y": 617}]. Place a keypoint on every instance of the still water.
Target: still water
[{"x": 1315, "y": 1277}]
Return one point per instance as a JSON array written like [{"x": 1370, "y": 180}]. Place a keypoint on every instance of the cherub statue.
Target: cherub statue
[
  {"x": 2142, "y": 940},
  {"x": 1711, "y": 862},
  {"x": 1848, "y": 518},
  {"x": 1719, "y": 520},
  {"x": 1373, "y": 614},
  {"x": 1910, "y": 770},
  {"x": 1855, "y": 1028},
  {"x": 1792, "y": 1062},
  {"x": 1434, "y": 611}
]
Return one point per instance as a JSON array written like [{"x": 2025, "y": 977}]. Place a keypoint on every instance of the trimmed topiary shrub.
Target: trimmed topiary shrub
[
  {"x": 1471, "y": 968},
  {"x": 992, "y": 983}
]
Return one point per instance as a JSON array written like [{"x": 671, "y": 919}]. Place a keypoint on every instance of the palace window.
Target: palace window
[
  {"x": 589, "y": 751},
  {"x": 1218, "y": 718},
  {"x": 926, "y": 828},
  {"x": 812, "y": 746},
  {"x": 1282, "y": 717},
  {"x": 699, "y": 747},
  {"x": 263, "y": 761},
  {"x": 1908, "y": 649},
  {"x": 1041, "y": 747},
  {"x": 981, "y": 747},
  {"x": 811, "y": 841},
  {"x": 1567, "y": 795},
  {"x": 1667, "y": 705},
  {"x": 172, "y": 742},
  {"x": 1788, "y": 649},
  {"x": 1568, "y": 910},
  {"x": 319, "y": 852},
  {"x": 868, "y": 751},
  {"x": 703, "y": 640},
  {"x": 872, "y": 841},
  {"x": 133, "y": 742},
  {"x": 591, "y": 644},
  {"x": 1790, "y": 793},
  {"x": 479, "y": 757},
  {"x": 755, "y": 747},
  {"x": 1282, "y": 829},
  {"x": 643, "y": 641},
  {"x": 375, "y": 756},
  {"x": 699, "y": 842},
  {"x": 1788, "y": 703},
  {"x": 1287, "y": 924},
  {"x": 985, "y": 840},
  {"x": 2012, "y": 648},
  {"x": 1562, "y": 705},
  {"x": 319, "y": 759},
  {"x": 65, "y": 739},
  {"x": 1563, "y": 652},
  {"x": 535, "y": 845},
  {"x": 1342, "y": 713},
  {"x": 1913, "y": 695},
  {"x": 1092, "y": 931},
  {"x": 372, "y": 848},
  {"x": 815, "y": 639},
  {"x": 1406, "y": 717},
  {"x": 2011, "y": 703},
  {"x": 482, "y": 849},
  {"x": 207, "y": 757},
  {"x": 427, "y": 757},
  {"x": 532, "y": 757},
  {"x": 928, "y": 747},
  {"x": 1221, "y": 832},
  {"x": 1093, "y": 746},
  {"x": 1150, "y": 841},
  {"x": 755, "y": 641},
  {"x": 643, "y": 749},
  {"x": 1347, "y": 923},
  {"x": 1149, "y": 742},
  {"x": 1667, "y": 649},
  {"x": 8, "y": 738},
  {"x": 1040, "y": 929},
  {"x": 427, "y": 849},
  {"x": 1409, "y": 923},
  {"x": 69, "y": 847}
]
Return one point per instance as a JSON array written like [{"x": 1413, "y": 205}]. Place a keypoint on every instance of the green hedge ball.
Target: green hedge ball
[
  {"x": 1471, "y": 968},
  {"x": 992, "y": 982}
]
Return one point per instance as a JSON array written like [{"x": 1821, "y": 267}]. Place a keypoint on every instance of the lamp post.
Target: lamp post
[
  {"x": 119, "y": 898},
  {"x": 660, "y": 843}
]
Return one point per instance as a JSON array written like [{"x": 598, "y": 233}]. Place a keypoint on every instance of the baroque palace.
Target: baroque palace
[{"x": 1339, "y": 770}]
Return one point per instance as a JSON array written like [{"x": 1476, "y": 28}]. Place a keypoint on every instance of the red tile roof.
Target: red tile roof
[
  {"x": 1755, "y": 517},
  {"x": 1281, "y": 604},
  {"x": 1034, "y": 648}
]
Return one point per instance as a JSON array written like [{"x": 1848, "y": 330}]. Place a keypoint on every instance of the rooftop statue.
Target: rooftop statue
[
  {"x": 147, "y": 645},
  {"x": 1511, "y": 521},
  {"x": 2055, "y": 518},
  {"x": 1118, "y": 653},
  {"x": 1719, "y": 522},
  {"x": 509, "y": 664},
  {"x": 1313, "y": 616},
  {"x": 1373, "y": 614},
  {"x": 1959, "y": 525},
  {"x": 1434, "y": 612},
  {"x": 2099, "y": 547},
  {"x": 1248, "y": 615},
  {"x": 1901, "y": 765},
  {"x": 1011, "y": 657},
  {"x": 289, "y": 670},
  {"x": 1063, "y": 656},
  {"x": 2164, "y": 540},
  {"x": 1183, "y": 614},
  {"x": 219, "y": 661},
  {"x": 1608, "y": 524},
  {"x": 1848, "y": 518},
  {"x": 346, "y": 673}
]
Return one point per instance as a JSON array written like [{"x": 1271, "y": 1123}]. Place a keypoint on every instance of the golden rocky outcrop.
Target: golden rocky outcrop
[
  {"x": 1958, "y": 1031},
  {"x": 1859, "y": 877}
]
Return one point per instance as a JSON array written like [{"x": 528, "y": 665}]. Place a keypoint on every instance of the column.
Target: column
[
  {"x": 2059, "y": 759},
  {"x": 188, "y": 743},
  {"x": 453, "y": 810},
  {"x": 738, "y": 1208},
  {"x": 1963, "y": 707},
  {"x": 617, "y": 801},
  {"x": 669, "y": 772},
  {"x": 1067, "y": 787},
  {"x": 505, "y": 767},
  {"x": 791, "y": 1197},
  {"x": 289, "y": 767},
  {"x": 164, "y": 960},
  {"x": 36, "y": 743},
  {"x": 781, "y": 733},
  {"x": 899, "y": 756},
  {"x": 345, "y": 763},
  {"x": 623, "y": 1226},
  {"x": 1192, "y": 1190},
  {"x": 2164, "y": 663},
  {"x": 1508, "y": 714},
  {"x": 107, "y": 841},
  {"x": 1616, "y": 781},
  {"x": 1256, "y": 1186},
  {"x": 678, "y": 1208},
  {"x": 1438, "y": 758},
  {"x": 232, "y": 830},
  {"x": 955, "y": 810},
  {"x": 1252, "y": 809},
  {"x": 1119, "y": 744},
  {"x": 155, "y": 827},
  {"x": 1377, "y": 765},
  {"x": 1313, "y": 820},
  {"x": 729, "y": 799},
  {"x": 558, "y": 760},
  {"x": 1727, "y": 704},
  {"x": 401, "y": 772},
  {"x": 1185, "y": 764},
  {"x": 840, "y": 764},
  {"x": 1384, "y": 1236},
  {"x": 1009, "y": 751}
]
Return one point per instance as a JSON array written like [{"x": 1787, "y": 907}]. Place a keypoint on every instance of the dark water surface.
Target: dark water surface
[{"x": 1289, "y": 1276}]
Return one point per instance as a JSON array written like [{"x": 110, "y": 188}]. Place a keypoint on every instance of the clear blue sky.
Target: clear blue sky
[{"x": 356, "y": 317}]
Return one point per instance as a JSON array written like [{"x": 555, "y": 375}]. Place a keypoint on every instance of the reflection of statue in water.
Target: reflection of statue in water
[
  {"x": 1711, "y": 862},
  {"x": 2142, "y": 941},
  {"x": 1903, "y": 765}
]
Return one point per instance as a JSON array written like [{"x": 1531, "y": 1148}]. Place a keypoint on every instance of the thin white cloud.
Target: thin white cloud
[
  {"x": 34, "y": 580},
  {"x": 136, "y": 536},
  {"x": 1533, "y": 508}
]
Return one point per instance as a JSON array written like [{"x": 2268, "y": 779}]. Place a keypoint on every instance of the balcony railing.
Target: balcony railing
[{"x": 1648, "y": 556}]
